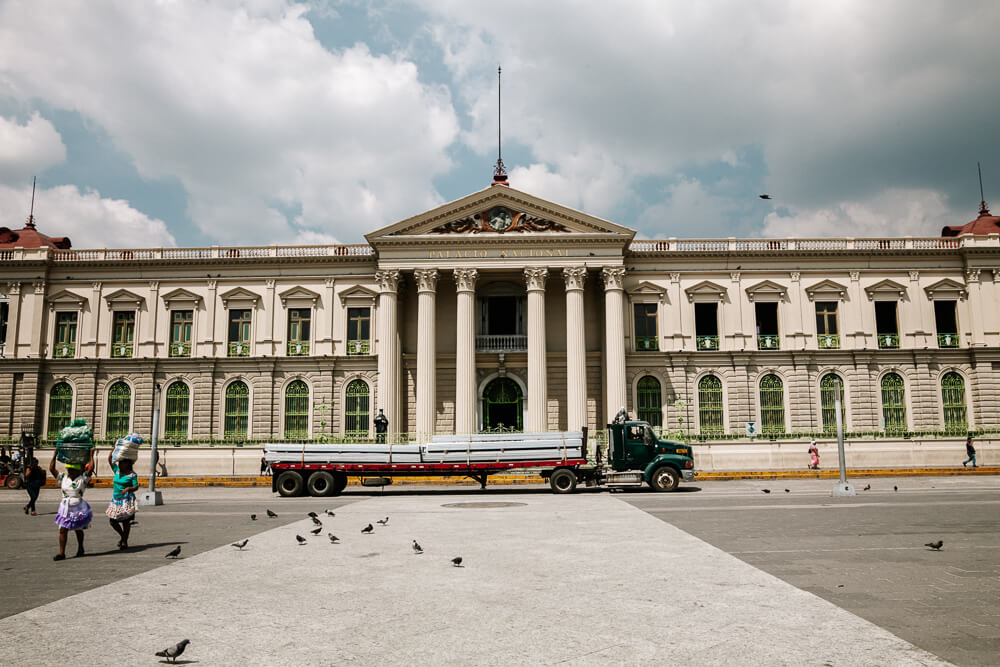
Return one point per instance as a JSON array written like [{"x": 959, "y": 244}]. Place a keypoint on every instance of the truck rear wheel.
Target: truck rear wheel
[
  {"x": 339, "y": 483},
  {"x": 664, "y": 478},
  {"x": 563, "y": 481},
  {"x": 13, "y": 482},
  {"x": 320, "y": 483},
  {"x": 289, "y": 483}
]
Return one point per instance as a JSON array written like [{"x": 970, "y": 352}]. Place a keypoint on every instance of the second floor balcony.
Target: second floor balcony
[
  {"x": 358, "y": 347},
  {"x": 768, "y": 342},
  {"x": 501, "y": 343},
  {"x": 647, "y": 343},
  {"x": 888, "y": 341},
  {"x": 947, "y": 340},
  {"x": 239, "y": 349},
  {"x": 298, "y": 348},
  {"x": 829, "y": 341},
  {"x": 707, "y": 342},
  {"x": 180, "y": 349},
  {"x": 121, "y": 350}
]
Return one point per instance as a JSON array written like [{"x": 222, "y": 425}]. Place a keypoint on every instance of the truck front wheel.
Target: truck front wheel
[
  {"x": 320, "y": 483},
  {"x": 664, "y": 478},
  {"x": 289, "y": 483},
  {"x": 563, "y": 481}
]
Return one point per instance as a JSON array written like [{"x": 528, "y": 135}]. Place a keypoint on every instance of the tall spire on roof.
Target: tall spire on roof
[
  {"x": 499, "y": 171},
  {"x": 30, "y": 223},
  {"x": 982, "y": 198}
]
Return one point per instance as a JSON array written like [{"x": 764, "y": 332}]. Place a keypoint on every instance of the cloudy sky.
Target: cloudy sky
[{"x": 196, "y": 122}]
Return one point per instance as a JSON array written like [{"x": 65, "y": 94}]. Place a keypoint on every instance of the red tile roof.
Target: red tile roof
[
  {"x": 984, "y": 224},
  {"x": 29, "y": 237}
]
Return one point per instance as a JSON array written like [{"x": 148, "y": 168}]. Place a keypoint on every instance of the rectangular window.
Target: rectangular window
[
  {"x": 827, "y": 332},
  {"x": 298, "y": 331},
  {"x": 65, "y": 343},
  {"x": 767, "y": 326},
  {"x": 358, "y": 330},
  {"x": 181, "y": 322},
  {"x": 706, "y": 325},
  {"x": 123, "y": 333},
  {"x": 886, "y": 324},
  {"x": 645, "y": 327},
  {"x": 946, "y": 320},
  {"x": 4, "y": 314},
  {"x": 239, "y": 332}
]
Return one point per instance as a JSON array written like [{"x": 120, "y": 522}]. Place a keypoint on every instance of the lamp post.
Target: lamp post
[
  {"x": 152, "y": 496},
  {"x": 842, "y": 487}
]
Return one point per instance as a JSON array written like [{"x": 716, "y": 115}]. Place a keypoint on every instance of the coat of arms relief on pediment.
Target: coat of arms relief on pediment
[{"x": 499, "y": 219}]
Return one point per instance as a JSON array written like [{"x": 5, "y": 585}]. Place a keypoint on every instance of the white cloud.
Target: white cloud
[
  {"x": 241, "y": 104},
  {"x": 26, "y": 150},
  {"x": 90, "y": 220}
]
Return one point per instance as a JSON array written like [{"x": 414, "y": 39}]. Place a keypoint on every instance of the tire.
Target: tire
[
  {"x": 289, "y": 483},
  {"x": 665, "y": 478},
  {"x": 13, "y": 482},
  {"x": 320, "y": 484},
  {"x": 339, "y": 483},
  {"x": 563, "y": 481}
]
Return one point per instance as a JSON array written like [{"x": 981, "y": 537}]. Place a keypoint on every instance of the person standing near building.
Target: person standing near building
[
  {"x": 970, "y": 451},
  {"x": 121, "y": 509},
  {"x": 381, "y": 426},
  {"x": 74, "y": 512},
  {"x": 34, "y": 480},
  {"x": 813, "y": 455}
]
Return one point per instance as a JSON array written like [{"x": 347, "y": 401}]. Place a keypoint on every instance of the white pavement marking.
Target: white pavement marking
[{"x": 583, "y": 579}]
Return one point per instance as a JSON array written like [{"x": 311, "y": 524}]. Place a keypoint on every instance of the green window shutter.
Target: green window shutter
[
  {"x": 237, "y": 411},
  {"x": 772, "y": 405},
  {"x": 60, "y": 409},
  {"x": 710, "y": 413},
  {"x": 119, "y": 411},
  {"x": 956, "y": 420},
  {"x": 827, "y": 396},
  {"x": 893, "y": 404},
  {"x": 650, "y": 403},
  {"x": 356, "y": 410},
  {"x": 175, "y": 425},
  {"x": 297, "y": 410}
]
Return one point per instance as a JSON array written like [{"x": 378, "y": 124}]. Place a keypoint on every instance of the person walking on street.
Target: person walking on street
[
  {"x": 121, "y": 509},
  {"x": 813, "y": 455},
  {"x": 970, "y": 452},
  {"x": 74, "y": 512},
  {"x": 34, "y": 480}
]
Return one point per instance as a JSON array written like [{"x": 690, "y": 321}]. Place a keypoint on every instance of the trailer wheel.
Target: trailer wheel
[
  {"x": 289, "y": 483},
  {"x": 563, "y": 481},
  {"x": 664, "y": 478},
  {"x": 320, "y": 483},
  {"x": 339, "y": 483},
  {"x": 13, "y": 482}
]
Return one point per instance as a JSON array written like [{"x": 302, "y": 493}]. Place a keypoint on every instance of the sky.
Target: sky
[{"x": 251, "y": 122}]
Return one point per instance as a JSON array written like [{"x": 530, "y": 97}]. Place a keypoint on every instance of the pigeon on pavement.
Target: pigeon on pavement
[
  {"x": 457, "y": 561},
  {"x": 300, "y": 539},
  {"x": 312, "y": 514},
  {"x": 174, "y": 651},
  {"x": 766, "y": 490},
  {"x": 329, "y": 513},
  {"x": 895, "y": 488},
  {"x": 174, "y": 553},
  {"x": 936, "y": 546},
  {"x": 240, "y": 545},
  {"x": 317, "y": 530},
  {"x": 867, "y": 487},
  {"x": 367, "y": 529},
  {"x": 271, "y": 514},
  {"x": 333, "y": 538},
  {"x": 317, "y": 521},
  {"x": 253, "y": 517},
  {"x": 384, "y": 522},
  {"x": 417, "y": 549},
  {"x": 787, "y": 491}
]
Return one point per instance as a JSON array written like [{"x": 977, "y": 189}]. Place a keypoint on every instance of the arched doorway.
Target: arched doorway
[{"x": 503, "y": 406}]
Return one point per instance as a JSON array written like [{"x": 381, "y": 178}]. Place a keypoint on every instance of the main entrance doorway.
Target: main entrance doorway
[{"x": 503, "y": 406}]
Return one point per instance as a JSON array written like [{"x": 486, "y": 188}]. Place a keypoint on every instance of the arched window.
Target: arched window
[
  {"x": 710, "y": 417},
  {"x": 356, "y": 410},
  {"x": 829, "y": 387},
  {"x": 237, "y": 410},
  {"x": 175, "y": 423},
  {"x": 893, "y": 404},
  {"x": 297, "y": 410},
  {"x": 119, "y": 411},
  {"x": 956, "y": 420},
  {"x": 650, "y": 404},
  {"x": 60, "y": 409},
  {"x": 772, "y": 405}
]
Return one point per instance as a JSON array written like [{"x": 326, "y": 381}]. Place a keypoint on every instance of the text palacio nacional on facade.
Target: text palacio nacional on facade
[{"x": 502, "y": 310}]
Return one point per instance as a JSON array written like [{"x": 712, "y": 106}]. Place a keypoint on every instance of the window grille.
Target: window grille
[
  {"x": 180, "y": 333},
  {"x": 710, "y": 413},
  {"x": 356, "y": 410},
  {"x": 772, "y": 405},
  {"x": 237, "y": 411},
  {"x": 893, "y": 404},
  {"x": 650, "y": 404},
  {"x": 175, "y": 423},
  {"x": 60, "y": 409},
  {"x": 297, "y": 410},
  {"x": 956, "y": 419},
  {"x": 829, "y": 387},
  {"x": 119, "y": 411}
]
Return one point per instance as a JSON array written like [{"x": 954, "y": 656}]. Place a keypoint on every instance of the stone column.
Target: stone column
[
  {"x": 38, "y": 313},
  {"x": 210, "y": 330},
  {"x": 388, "y": 349},
  {"x": 152, "y": 320},
  {"x": 332, "y": 316},
  {"x": 537, "y": 368},
  {"x": 268, "y": 337},
  {"x": 426, "y": 350},
  {"x": 576, "y": 349},
  {"x": 465, "y": 350},
  {"x": 977, "y": 308},
  {"x": 14, "y": 320},
  {"x": 614, "y": 339}
]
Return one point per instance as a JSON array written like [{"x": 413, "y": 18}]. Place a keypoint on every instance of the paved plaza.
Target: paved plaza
[{"x": 717, "y": 573}]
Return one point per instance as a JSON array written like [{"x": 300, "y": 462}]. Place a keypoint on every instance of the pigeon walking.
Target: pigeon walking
[
  {"x": 367, "y": 529},
  {"x": 895, "y": 488},
  {"x": 317, "y": 530},
  {"x": 271, "y": 515},
  {"x": 312, "y": 514},
  {"x": 417, "y": 549},
  {"x": 329, "y": 513},
  {"x": 333, "y": 538},
  {"x": 253, "y": 517},
  {"x": 936, "y": 546},
  {"x": 766, "y": 490},
  {"x": 787, "y": 491},
  {"x": 457, "y": 561},
  {"x": 240, "y": 545},
  {"x": 867, "y": 487},
  {"x": 300, "y": 539},
  {"x": 174, "y": 651},
  {"x": 317, "y": 521},
  {"x": 384, "y": 522},
  {"x": 174, "y": 553}
]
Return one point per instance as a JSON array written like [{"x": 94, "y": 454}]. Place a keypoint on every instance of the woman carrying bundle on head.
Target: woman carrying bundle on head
[
  {"x": 74, "y": 512},
  {"x": 121, "y": 509}
]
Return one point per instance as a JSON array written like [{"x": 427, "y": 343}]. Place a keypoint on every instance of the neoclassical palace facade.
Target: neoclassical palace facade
[{"x": 502, "y": 310}]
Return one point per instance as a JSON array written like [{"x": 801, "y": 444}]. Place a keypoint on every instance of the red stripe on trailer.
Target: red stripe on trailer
[{"x": 427, "y": 467}]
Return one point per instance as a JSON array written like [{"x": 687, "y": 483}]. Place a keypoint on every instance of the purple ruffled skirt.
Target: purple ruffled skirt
[{"x": 74, "y": 517}]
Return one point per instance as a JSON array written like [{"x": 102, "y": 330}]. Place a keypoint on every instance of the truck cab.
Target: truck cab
[{"x": 637, "y": 455}]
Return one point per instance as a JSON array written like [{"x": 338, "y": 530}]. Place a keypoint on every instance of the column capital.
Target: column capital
[
  {"x": 154, "y": 286},
  {"x": 734, "y": 276},
  {"x": 972, "y": 275},
  {"x": 996, "y": 275},
  {"x": 795, "y": 276},
  {"x": 426, "y": 279},
  {"x": 40, "y": 284},
  {"x": 465, "y": 280},
  {"x": 575, "y": 277},
  {"x": 855, "y": 276},
  {"x": 14, "y": 287},
  {"x": 535, "y": 277},
  {"x": 614, "y": 277},
  {"x": 914, "y": 276},
  {"x": 388, "y": 281}
]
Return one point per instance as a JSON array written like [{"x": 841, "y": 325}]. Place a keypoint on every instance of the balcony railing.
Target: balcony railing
[
  {"x": 359, "y": 347},
  {"x": 64, "y": 350},
  {"x": 239, "y": 349},
  {"x": 647, "y": 343},
  {"x": 768, "y": 342},
  {"x": 180, "y": 349},
  {"x": 501, "y": 343},
  {"x": 121, "y": 350},
  {"x": 888, "y": 341},
  {"x": 829, "y": 341},
  {"x": 947, "y": 340},
  {"x": 298, "y": 348},
  {"x": 707, "y": 342}
]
